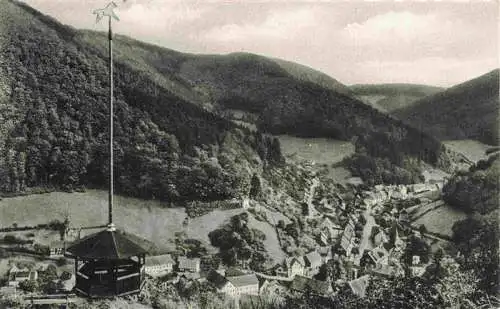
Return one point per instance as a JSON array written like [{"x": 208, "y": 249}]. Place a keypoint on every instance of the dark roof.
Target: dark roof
[
  {"x": 106, "y": 244},
  {"x": 304, "y": 284}
]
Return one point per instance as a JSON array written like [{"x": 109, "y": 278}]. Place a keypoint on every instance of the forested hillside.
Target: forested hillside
[
  {"x": 465, "y": 111},
  {"x": 476, "y": 192},
  {"x": 54, "y": 134},
  {"x": 277, "y": 102}
]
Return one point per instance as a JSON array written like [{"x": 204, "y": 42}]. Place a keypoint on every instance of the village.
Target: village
[{"x": 333, "y": 244}]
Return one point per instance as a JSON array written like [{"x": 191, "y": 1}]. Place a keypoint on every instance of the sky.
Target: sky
[{"x": 438, "y": 43}]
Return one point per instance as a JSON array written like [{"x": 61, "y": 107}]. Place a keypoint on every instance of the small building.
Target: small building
[
  {"x": 57, "y": 248},
  {"x": 271, "y": 289},
  {"x": 294, "y": 266},
  {"x": 233, "y": 286},
  {"x": 313, "y": 261},
  {"x": 242, "y": 285},
  {"x": 18, "y": 275},
  {"x": 417, "y": 268},
  {"x": 359, "y": 285},
  {"x": 189, "y": 265},
  {"x": 329, "y": 231},
  {"x": 159, "y": 265},
  {"x": 326, "y": 253}
]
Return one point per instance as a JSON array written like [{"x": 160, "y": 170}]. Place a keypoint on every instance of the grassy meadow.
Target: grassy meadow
[
  {"x": 472, "y": 149},
  {"x": 441, "y": 219},
  {"x": 318, "y": 150},
  {"x": 151, "y": 220}
]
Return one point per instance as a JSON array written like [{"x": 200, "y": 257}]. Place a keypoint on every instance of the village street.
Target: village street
[{"x": 365, "y": 243}]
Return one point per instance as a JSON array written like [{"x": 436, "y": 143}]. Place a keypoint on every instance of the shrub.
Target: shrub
[
  {"x": 61, "y": 262},
  {"x": 66, "y": 275}
]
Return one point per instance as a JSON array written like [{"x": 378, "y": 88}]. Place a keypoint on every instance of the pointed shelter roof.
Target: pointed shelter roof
[{"x": 107, "y": 244}]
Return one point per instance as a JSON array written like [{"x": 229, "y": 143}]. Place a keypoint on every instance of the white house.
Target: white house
[
  {"x": 18, "y": 275},
  {"x": 329, "y": 231},
  {"x": 295, "y": 266},
  {"x": 160, "y": 264},
  {"x": 313, "y": 262},
  {"x": 57, "y": 248},
  {"x": 417, "y": 266},
  {"x": 189, "y": 265},
  {"x": 241, "y": 285}
]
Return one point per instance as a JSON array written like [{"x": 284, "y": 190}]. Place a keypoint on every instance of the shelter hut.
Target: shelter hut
[{"x": 108, "y": 263}]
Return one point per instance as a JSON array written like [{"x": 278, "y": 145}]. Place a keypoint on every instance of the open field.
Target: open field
[
  {"x": 148, "y": 219},
  {"x": 472, "y": 149},
  {"x": 318, "y": 150},
  {"x": 441, "y": 219}
]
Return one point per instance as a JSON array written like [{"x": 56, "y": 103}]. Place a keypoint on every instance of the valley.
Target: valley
[{"x": 237, "y": 179}]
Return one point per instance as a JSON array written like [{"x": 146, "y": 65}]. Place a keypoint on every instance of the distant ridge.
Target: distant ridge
[
  {"x": 469, "y": 110},
  {"x": 391, "y": 97}
]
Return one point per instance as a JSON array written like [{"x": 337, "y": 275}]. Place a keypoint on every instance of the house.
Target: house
[
  {"x": 243, "y": 285},
  {"x": 18, "y": 275},
  {"x": 57, "y": 249},
  {"x": 189, "y": 265},
  {"x": 417, "y": 267},
  {"x": 294, "y": 266},
  {"x": 272, "y": 289},
  {"x": 307, "y": 285},
  {"x": 329, "y": 231},
  {"x": 313, "y": 261},
  {"x": 347, "y": 240},
  {"x": 380, "y": 238},
  {"x": 246, "y": 284},
  {"x": 326, "y": 253},
  {"x": 160, "y": 264},
  {"x": 359, "y": 285}
]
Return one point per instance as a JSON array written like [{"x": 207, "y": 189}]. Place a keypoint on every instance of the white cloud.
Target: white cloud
[
  {"x": 156, "y": 16},
  {"x": 396, "y": 26},
  {"x": 279, "y": 24}
]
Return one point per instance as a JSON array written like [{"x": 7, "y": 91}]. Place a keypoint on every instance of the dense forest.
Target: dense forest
[
  {"x": 55, "y": 132},
  {"x": 475, "y": 190},
  {"x": 476, "y": 238},
  {"x": 465, "y": 111}
]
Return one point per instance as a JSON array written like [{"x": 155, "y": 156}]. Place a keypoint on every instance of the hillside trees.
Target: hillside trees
[
  {"x": 477, "y": 189},
  {"x": 56, "y": 135},
  {"x": 239, "y": 243},
  {"x": 476, "y": 239}
]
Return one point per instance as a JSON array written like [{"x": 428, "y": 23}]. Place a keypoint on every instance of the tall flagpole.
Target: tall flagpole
[
  {"x": 111, "y": 174},
  {"x": 108, "y": 12}
]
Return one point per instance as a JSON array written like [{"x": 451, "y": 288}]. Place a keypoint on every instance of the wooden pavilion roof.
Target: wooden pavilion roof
[{"x": 110, "y": 244}]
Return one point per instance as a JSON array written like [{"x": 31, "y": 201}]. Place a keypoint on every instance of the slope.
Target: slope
[
  {"x": 465, "y": 111},
  {"x": 54, "y": 133},
  {"x": 389, "y": 98}
]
